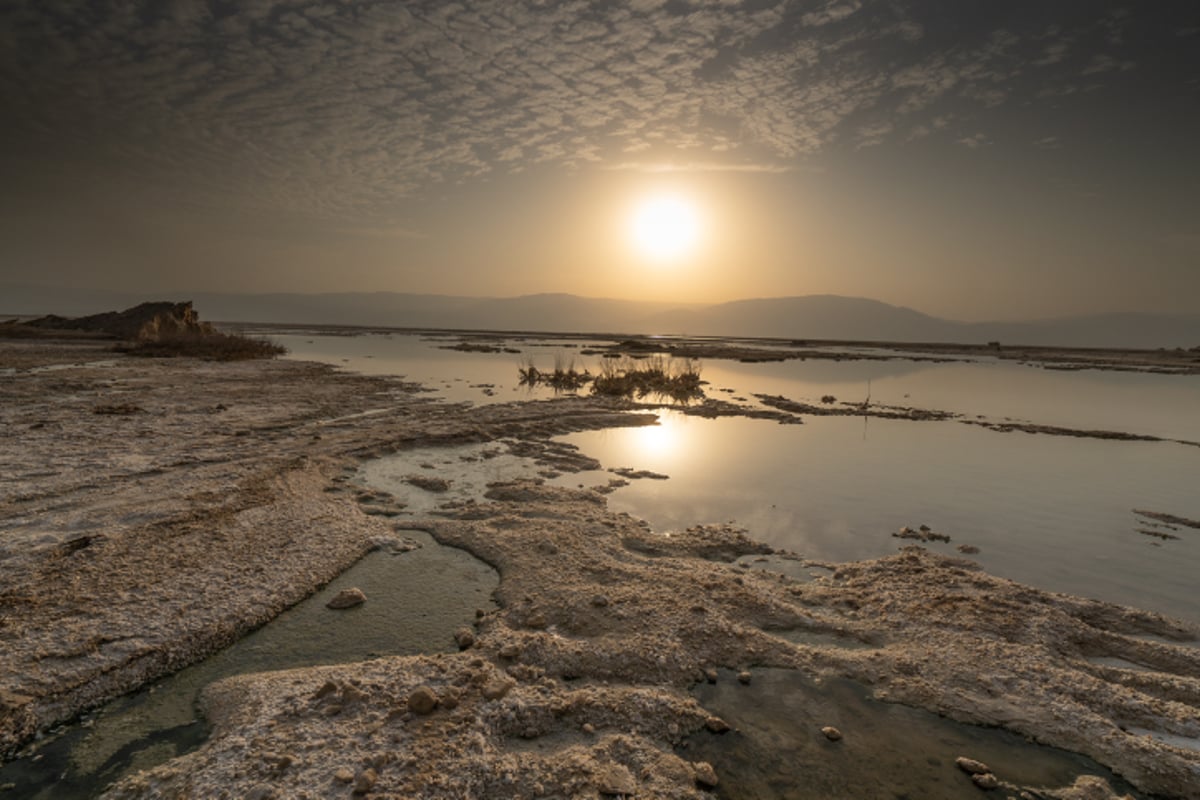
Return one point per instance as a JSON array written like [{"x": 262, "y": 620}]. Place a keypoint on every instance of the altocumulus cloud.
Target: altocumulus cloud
[{"x": 341, "y": 110}]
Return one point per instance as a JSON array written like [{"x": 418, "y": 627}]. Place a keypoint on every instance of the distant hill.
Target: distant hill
[
  {"x": 810, "y": 317},
  {"x": 806, "y": 317}
]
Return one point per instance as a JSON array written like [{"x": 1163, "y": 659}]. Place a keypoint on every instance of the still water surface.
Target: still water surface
[{"x": 1052, "y": 511}]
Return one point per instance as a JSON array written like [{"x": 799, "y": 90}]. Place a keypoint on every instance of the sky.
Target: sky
[{"x": 973, "y": 160}]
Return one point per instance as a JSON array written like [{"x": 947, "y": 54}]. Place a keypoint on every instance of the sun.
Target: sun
[{"x": 664, "y": 227}]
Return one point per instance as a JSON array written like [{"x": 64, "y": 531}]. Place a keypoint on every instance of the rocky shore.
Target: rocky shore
[{"x": 134, "y": 543}]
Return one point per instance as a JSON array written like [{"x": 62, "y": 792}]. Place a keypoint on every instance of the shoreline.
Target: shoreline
[{"x": 206, "y": 505}]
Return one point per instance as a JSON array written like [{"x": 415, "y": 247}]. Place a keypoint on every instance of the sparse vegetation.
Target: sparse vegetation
[
  {"x": 565, "y": 377},
  {"x": 631, "y": 376},
  {"x": 678, "y": 379},
  {"x": 214, "y": 346}
]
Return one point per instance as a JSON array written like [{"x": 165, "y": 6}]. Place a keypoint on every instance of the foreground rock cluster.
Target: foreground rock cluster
[{"x": 132, "y": 544}]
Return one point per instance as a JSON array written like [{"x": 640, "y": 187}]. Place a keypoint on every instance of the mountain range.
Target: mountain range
[{"x": 805, "y": 317}]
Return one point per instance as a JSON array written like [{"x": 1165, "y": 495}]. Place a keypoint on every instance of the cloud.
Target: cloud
[
  {"x": 1102, "y": 62},
  {"x": 832, "y": 12},
  {"x": 345, "y": 111},
  {"x": 386, "y": 232},
  {"x": 693, "y": 166}
]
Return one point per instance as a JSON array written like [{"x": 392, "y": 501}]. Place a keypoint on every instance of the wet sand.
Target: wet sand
[{"x": 134, "y": 543}]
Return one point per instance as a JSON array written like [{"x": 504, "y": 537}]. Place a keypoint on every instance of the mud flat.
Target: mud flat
[{"x": 132, "y": 544}]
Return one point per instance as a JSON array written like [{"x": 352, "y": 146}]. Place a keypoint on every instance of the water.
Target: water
[
  {"x": 453, "y": 375},
  {"x": 777, "y": 750},
  {"x": 1048, "y": 511},
  {"x": 1052, "y": 511},
  {"x": 415, "y": 602},
  {"x": 1166, "y": 406}
]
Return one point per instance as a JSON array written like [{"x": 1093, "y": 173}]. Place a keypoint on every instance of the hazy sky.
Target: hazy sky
[{"x": 1006, "y": 159}]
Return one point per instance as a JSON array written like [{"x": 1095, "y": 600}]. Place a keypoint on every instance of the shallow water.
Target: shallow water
[
  {"x": 1053, "y": 512},
  {"x": 415, "y": 601},
  {"x": 1132, "y": 402},
  {"x": 456, "y": 376},
  {"x": 777, "y": 750}
]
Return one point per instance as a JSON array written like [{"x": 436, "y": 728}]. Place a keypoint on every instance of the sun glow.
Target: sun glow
[{"x": 664, "y": 227}]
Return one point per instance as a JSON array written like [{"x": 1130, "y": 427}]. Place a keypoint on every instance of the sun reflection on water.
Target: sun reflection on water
[{"x": 659, "y": 446}]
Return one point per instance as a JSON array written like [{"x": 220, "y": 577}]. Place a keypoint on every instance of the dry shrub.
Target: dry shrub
[{"x": 213, "y": 346}]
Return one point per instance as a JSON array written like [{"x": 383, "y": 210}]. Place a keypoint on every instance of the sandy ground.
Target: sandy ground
[{"x": 152, "y": 511}]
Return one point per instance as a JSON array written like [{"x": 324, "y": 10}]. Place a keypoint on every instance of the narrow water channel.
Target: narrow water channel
[
  {"x": 415, "y": 601},
  {"x": 777, "y": 751}
]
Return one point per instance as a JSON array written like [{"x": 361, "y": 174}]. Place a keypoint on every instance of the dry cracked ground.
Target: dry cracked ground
[{"x": 152, "y": 511}]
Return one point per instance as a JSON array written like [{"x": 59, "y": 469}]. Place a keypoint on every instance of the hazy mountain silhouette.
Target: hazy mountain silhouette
[
  {"x": 807, "y": 317},
  {"x": 810, "y": 317}
]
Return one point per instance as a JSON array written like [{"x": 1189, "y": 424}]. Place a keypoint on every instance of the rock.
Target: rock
[
  {"x": 365, "y": 780},
  {"x": 744, "y": 677},
  {"x": 986, "y": 780},
  {"x": 510, "y": 651},
  {"x": 832, "y": 733},
  {"x": 971, "y": 766},
  {"x": 261, "y": 791},
  {"x": 716, "y": 724},
  {"x": 464, "y": 637},
  {"x": 496, "y": 689},
  {"x": 589, "y": 728},
  {"x": 343, "y": 775},
  {"x": 968, "y": 549},
  {"x": 615, "y": 779},
  {"x": 347, "y": 598},
  {"x": 706, "y": 776},
  {"x": 711, "y": 675},
  {"x": 450, "y": 697},
  {"x": 146, "y": 322},
  {"x": 599, "y": 601},
  {"x": 428, "y": 483},
  {"x": 423, "y": 700},
  {"x": 279, "y": 761}
]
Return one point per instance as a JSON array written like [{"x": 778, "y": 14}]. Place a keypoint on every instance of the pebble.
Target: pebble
[
  {"x": 510, "y": 651},
  {"x": 711, "y": 675},
  {"x": 832, "y": 733},
  {"x": 423, "y": 700},
  {"x": 971, "y": 766},
  {"x": 364, "y": 781},
  {"x": 495, "y": 689},
  {"x": 716, "y": 724},
  {"x": 347, "y": 598},
  {"x": 344, "y": 775},
  {"x": 464, "y": 637},
  {"x": 589, "y": 727},
  {"x": 744, "y": 677},
  {"x": 706, "y": 776},
  {"x": 615, "y": 779},
  {"x": 986, "y": 780}
]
